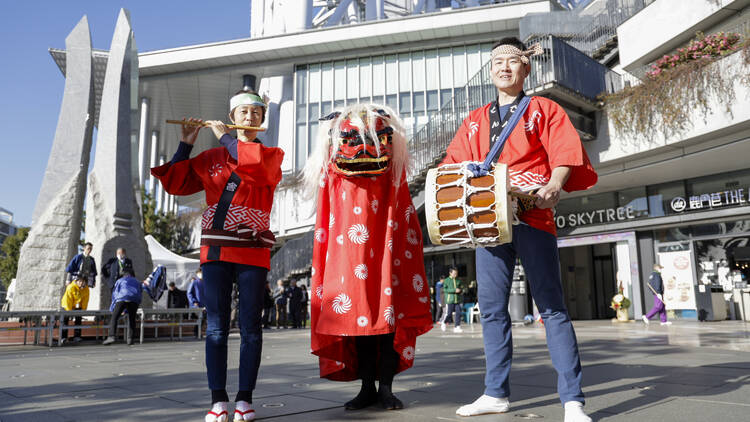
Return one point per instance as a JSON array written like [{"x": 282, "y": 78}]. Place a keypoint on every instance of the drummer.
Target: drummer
[{"x": 544, "y": 155}]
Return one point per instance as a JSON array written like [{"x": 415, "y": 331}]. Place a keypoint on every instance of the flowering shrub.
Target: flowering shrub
[
  {"x": 701, "y": 48},
  {"x": 619, "y": 301}
]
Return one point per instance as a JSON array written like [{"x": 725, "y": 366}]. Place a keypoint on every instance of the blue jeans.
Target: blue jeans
[
  {"x": 539, "y": 256},
  {"x": 219, "y": 277}
]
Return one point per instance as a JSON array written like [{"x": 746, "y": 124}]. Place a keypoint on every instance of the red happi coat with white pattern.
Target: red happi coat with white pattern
[
  {"x": 543, "y": 139},
  {"x": 368, "y": 273},
  {"x": 259, "y": 168}
]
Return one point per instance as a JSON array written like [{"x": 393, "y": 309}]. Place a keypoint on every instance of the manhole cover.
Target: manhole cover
[
  {"x": 273, "y": 404},
  {"x": 301, "y": 385},
  {"x": 529, "y": 416}
]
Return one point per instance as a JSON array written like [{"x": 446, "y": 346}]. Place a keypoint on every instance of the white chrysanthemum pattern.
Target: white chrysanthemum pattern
[
  {"x": 408, "y": 353},
  {"x": 418, "y": 283},
  {"x": 396, "y": 262},
  {"x": 340, "y": 239},
  {"x": 424, "y": 299},
  {"x": 321, "y": 235},
  {"x": 409, "y": 211},
  {"x": 390, "y": 244},
  {"x": 388, "y": 315},
  {"x": 341, "y": 304},
  {"x": 319, "y": 292},
  {"x": 360, "y": 271},
  {"x": 374, "y": 205},
  {"x": 362, "y": 321},
  {"x": 407, "y": 254},
  {"x": 411, "y": 237},
  {"x": 359, "y": 234},
  {"x": 331, "y": 220},
  {"x": 387, "y": 291}
]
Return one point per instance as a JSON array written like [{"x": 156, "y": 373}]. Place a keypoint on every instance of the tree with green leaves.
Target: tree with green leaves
[
  {"x": 9, "y": 253},
  {"x": 167, "y": 228}
]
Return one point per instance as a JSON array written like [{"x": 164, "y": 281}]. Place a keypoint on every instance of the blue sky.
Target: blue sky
[{"x": 31, "y": 85}]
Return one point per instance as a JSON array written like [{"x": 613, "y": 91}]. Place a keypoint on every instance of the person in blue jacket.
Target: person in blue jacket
[
  {"x": 126, "y": 296},
  {"x": 196, "y": 290}
]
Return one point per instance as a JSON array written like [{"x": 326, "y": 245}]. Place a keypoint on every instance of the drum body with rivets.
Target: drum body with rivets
[{"x": 468, "y": 211}]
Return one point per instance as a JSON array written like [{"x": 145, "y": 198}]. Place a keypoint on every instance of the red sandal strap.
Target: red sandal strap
[
  {"x": 223, "y": 412},
  {"x": 245, "y": 412}
]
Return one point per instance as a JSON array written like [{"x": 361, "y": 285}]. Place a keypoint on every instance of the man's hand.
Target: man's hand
[
  {"x": 190, "y": 133},
  {"x": 458, "y": 291},
  {"x": 218, "y": 128},
  {"x": 548, "y": 196},
  {"x": 195, "y": 304}
]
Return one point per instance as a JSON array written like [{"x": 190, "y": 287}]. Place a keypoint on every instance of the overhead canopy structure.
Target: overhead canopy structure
[{"x": 179, "y": 269}]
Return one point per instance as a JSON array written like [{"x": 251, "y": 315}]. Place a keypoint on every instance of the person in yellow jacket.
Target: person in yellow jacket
[{"x": 76, "y": 297}]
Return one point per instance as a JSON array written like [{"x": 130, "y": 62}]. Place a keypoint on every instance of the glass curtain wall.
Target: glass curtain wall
[{"x": 414, "y": 84}]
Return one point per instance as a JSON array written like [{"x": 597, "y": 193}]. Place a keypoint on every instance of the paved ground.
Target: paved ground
[{"x": 686, "y": 372}]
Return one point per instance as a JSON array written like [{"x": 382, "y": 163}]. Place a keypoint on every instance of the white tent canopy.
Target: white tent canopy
[{"x": 179, "y": 269}]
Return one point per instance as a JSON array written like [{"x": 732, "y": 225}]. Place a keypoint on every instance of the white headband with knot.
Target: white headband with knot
[
  {"x": 245, "y": 98},
  {"x": 533, "y": 50}
]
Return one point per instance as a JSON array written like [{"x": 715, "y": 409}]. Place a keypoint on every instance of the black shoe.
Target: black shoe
[
  {"x": 365, "y": 398},
  {"x": 108, "y": 341},
  {"x": 387, "y": 400}
]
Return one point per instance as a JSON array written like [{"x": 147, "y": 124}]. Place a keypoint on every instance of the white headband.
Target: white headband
[
  {"x": 511, "y": 49},
  {"x": 245, "y": 98}
]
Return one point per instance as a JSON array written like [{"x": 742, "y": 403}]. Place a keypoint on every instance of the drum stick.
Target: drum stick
[
  {"x": 189, "y": 123},
  {"x": 522, "y": 195}
]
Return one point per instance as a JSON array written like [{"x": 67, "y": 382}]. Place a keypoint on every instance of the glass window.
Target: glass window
[
  {"x": 312, "y": 137},
  {"x": 446, "y": 68},
  {"x": 432, "y": 70},
  {"x": 314, "y": 113},
  {"x": 339, "y": 80},
  {"x": 419, "y": 106},
  {"x": 315, "y": 84},
  {"x": 302, "y": 113},
  {"x": 352, "y": 79},
  {"x": 459, "y": 66},
  {"x": 473, "y": 59},
  {"x": 445, "y": 97},
  {"x": 660, "y": 197},
  {"x": 300, "y": 148},
  {"x": 378, "y": 77},
  {"x": 486, "y": 52},
  {"x": 634, "y": 199},
  {"x": 365, "y": 79},
  {"x": 404, "y": 72},
  {"x": 301, "y": 85},
  {"x": 392, "y": 101},
  {"x": 338, "y": 104},
  {"x": 327, "y": 82},
  {"x": 404, "y": 104},
  {"x": 432, "y": 100},
  {"x": 391, "y": 75},
  {"x": 417, "y": 71}
]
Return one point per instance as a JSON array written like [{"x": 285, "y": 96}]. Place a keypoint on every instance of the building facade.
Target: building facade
[{"x": 681, "y": 200}]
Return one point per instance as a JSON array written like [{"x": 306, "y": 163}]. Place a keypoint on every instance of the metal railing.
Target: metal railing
[
  {"x": 561, "y": 65},
  {"x": 588, "y": 29}
]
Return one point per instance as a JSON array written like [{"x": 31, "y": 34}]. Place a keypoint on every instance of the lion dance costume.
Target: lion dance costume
[{"x": 370, "y": 298}]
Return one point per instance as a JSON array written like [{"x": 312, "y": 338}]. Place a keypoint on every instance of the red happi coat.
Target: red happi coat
[
  {"x": 543, "y": 139},
  {"x": 368, "y": 273},
  {"x": 259, "y": 168}
]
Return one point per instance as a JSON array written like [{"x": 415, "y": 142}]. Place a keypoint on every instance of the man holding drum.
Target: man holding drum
[{"x": 544, "y": 155}]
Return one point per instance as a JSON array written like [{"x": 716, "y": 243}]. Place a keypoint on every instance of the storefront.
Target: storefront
[{"x": 698, "y": 229}]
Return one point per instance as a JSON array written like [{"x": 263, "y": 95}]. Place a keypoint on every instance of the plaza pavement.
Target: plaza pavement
[{"x": 686, "y": 372}]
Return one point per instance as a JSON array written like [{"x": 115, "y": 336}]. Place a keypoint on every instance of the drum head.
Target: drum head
[
  {"x": 431, "y": 207},
  {"x": 503, "y": 204}
]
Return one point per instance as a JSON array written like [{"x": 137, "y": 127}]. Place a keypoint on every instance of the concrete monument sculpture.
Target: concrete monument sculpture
[
  {"x": 56, "y": 222},
  {"x": 112, "y": 213}
]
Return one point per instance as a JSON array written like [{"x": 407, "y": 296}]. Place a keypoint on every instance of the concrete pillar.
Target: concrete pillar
[
  {"x": 160, "y": 193},
  {"x": 152, "y": 182},
  {"x": 143, "y": 142}
]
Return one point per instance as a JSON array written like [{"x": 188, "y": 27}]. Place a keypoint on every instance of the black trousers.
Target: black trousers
[
  {"x": 77, "y": 331},
  {"x": 120, "y": 307},
  {"x": 369, "y": 349}
]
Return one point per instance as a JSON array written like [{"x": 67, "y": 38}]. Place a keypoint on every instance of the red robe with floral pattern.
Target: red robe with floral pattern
[
  {"x": 368, "y": 273},
  {"x": 543, "y": 139}
]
